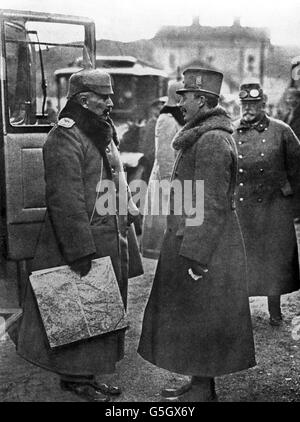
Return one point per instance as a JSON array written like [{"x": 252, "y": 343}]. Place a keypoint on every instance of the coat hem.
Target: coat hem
[
  {"x": 201, "y": 373},
  {"x": 60, "y": 372},
  {"x": 285, "y": 292}
]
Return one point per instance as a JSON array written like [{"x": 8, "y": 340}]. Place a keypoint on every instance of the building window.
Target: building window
[
  {"x": 250, "y": 63},
  {"x": 172, "y": 60}
]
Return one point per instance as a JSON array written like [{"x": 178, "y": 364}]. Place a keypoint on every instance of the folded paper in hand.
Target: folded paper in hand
[{"x": 74, "y": 308}]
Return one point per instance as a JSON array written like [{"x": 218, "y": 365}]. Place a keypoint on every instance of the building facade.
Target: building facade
[{"x": 237, "y": 51}]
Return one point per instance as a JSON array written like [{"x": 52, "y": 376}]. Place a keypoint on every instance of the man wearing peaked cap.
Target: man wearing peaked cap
[
  {"x": 202, "y": 80},
  {"x": 268, "y": 199},
  {"x": 197, "y": 320},
  {"x": 79, "y": 154}
]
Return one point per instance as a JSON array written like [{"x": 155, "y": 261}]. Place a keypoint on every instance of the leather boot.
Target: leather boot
[
  {"x": 202, "y": 389},
  {"x": 176, "y": 391}
]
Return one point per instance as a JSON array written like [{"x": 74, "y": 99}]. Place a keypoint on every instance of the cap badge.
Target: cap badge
[{"x": 199, "y": 81}]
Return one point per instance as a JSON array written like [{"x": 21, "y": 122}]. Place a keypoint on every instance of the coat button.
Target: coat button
[
  {"x": 240, "y": 142},
  {"x": 113, "y": 170},
  {"x": 263, "y": 141},
  {"x": 241, "y": 170},
  {"x": 261, "y": 170},
  {"x": 241, "y": 184},
  {"x": 241, "y": 199},
  {"x": 260, "y": 185},
  {"x": 107, "y": 149},
  {"x": 240, "y": 156},
  {"x": 262, "y": 154},
  {"x": 259, "y": 200}
]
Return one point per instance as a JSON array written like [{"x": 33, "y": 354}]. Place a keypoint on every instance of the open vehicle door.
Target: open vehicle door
[{"x": 33, "y": 45}]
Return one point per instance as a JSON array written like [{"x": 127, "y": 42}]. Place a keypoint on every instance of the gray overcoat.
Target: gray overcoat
[
  {"x": 72, "y": 171},
  {"x": 268, "y": 199},
  {"x": 202, "y": 327}
]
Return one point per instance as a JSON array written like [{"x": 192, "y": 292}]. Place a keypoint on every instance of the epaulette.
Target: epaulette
[{"x": 66, "y": 122}]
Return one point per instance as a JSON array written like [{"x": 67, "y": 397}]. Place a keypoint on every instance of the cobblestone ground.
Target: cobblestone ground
[{"x": 275, "y": 378}]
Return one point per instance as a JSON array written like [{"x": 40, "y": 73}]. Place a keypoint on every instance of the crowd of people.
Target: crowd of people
[{"x": 197, "y": 321}]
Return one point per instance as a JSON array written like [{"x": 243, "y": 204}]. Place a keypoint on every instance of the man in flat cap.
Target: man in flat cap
[
  {"x": 197, "y": 320},
  {"x": 268, "y": 198},
  {"x": 80, "y": 153}
]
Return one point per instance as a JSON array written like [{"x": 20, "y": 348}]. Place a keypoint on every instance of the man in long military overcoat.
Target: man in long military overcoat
[
  {"x": 80, "y": 152},
  {"x": 268, "y": 199},
  {"x": 197, "y": 320}
]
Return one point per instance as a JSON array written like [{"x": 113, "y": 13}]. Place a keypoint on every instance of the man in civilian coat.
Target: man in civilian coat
[
  {"x": 197, "y": 320},
  {"x": 80, "y": 148},
  {"x": 268, "y": 199}
]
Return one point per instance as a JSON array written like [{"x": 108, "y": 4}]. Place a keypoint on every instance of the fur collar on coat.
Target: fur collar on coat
[{"x": 215, "y": 119}]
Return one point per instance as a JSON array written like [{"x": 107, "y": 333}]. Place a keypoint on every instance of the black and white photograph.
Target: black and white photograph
[{"x": 150, "y": 203}]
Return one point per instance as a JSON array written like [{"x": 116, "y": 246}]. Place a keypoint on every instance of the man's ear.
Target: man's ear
[
  {"x": 264, "y": 101},
  {"x": 201, "y": 101},
  {"x": 83, "y": 100}
]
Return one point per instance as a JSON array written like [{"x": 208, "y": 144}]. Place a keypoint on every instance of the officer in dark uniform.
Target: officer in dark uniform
[
  {"x": 268, "y": 193},
  {"x": 80, "y": 152}
]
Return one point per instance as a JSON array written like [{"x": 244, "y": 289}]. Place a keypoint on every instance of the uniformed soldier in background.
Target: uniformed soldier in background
[
  {"x": 80, "y": 150},
  {"x": 268, "y": 193}
]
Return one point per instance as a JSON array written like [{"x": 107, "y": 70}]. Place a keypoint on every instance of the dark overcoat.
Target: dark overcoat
[
  {"x": 268, "y": 199},
  {"x": 73, "y": 166},
  {"x": 294, "y": 121},
  {"x": 202, "y": 327}
]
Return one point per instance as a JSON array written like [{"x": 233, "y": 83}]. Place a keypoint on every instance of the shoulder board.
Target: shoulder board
[{"x": 66, "y": 122}]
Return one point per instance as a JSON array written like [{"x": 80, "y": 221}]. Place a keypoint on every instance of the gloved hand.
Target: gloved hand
[
  {"x": 197, "y": 269},
  {"x": 82, "y": 266}
]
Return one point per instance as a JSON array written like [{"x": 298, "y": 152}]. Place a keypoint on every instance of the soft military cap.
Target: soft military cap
[
  {"x": 202, "y": 80},
  {"x": 94, "y": 80}
]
